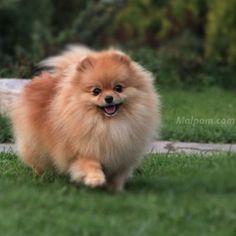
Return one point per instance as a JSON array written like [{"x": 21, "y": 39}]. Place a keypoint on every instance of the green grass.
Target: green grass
[
  {"x": 169, "y": 195},
  {"x": 5, "y": 130},
  {"x": 210, "y": 103}
]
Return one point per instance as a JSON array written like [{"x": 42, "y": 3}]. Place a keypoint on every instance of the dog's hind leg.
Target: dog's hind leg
[{"x": 33, "y": 157}]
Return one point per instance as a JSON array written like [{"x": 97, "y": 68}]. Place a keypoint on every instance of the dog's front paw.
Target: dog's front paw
[{"x": 95, "y": 179}]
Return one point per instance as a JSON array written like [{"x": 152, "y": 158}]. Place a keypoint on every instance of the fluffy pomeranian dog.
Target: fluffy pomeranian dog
[{"x": 91, "y": 117}]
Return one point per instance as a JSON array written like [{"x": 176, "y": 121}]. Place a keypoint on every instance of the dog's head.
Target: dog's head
[{"x": 109, "y": 83}]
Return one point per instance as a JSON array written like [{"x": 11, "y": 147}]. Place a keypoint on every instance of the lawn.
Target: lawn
[
  {"x": 169, "y": 195},
  {"x": 5, "y": 131},
  {"x": 177, "y": 105},
  {"x": 213, "y": 109}
]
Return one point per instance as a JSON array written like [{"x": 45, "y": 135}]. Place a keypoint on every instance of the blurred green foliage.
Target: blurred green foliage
[
  {"x": 183, "y": 43},
  {"x": 221, "y": 31}
]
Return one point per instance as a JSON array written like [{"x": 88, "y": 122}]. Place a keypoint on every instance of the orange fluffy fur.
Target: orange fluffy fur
[{"x": 58, "y": 121}]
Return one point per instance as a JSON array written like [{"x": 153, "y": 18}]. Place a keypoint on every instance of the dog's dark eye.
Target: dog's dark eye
[
  {"x": 96, "y": 91},
  {"x": 118, "y": 88}
]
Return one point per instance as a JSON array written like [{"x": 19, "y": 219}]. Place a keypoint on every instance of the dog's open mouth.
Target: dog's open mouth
[{"x": 111, "y": 110}]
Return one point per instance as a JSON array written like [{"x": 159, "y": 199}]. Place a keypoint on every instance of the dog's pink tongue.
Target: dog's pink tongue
[{"x": 110, "y": 109}]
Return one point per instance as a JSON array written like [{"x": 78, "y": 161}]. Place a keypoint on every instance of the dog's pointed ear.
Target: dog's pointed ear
[
  {"x": 121, "y": 57},
  {"x": 85, "y": 63}
]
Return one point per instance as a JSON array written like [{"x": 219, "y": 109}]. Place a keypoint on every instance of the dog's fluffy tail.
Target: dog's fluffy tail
[{"x": 58, "y": 64}]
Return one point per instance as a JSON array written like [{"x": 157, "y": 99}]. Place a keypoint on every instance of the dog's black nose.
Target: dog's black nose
[{"x": 109, "y": 99}]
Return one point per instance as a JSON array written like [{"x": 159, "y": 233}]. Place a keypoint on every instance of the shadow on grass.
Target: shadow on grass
[
  {"x": 152, "y": 185},
  {"x": 177, "y": 186}
]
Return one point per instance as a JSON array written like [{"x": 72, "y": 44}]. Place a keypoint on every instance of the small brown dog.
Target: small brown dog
[{"x": 92, "y": 117}]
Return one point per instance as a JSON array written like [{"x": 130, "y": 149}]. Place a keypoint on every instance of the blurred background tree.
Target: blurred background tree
[{"x": 183, "y": 43}]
